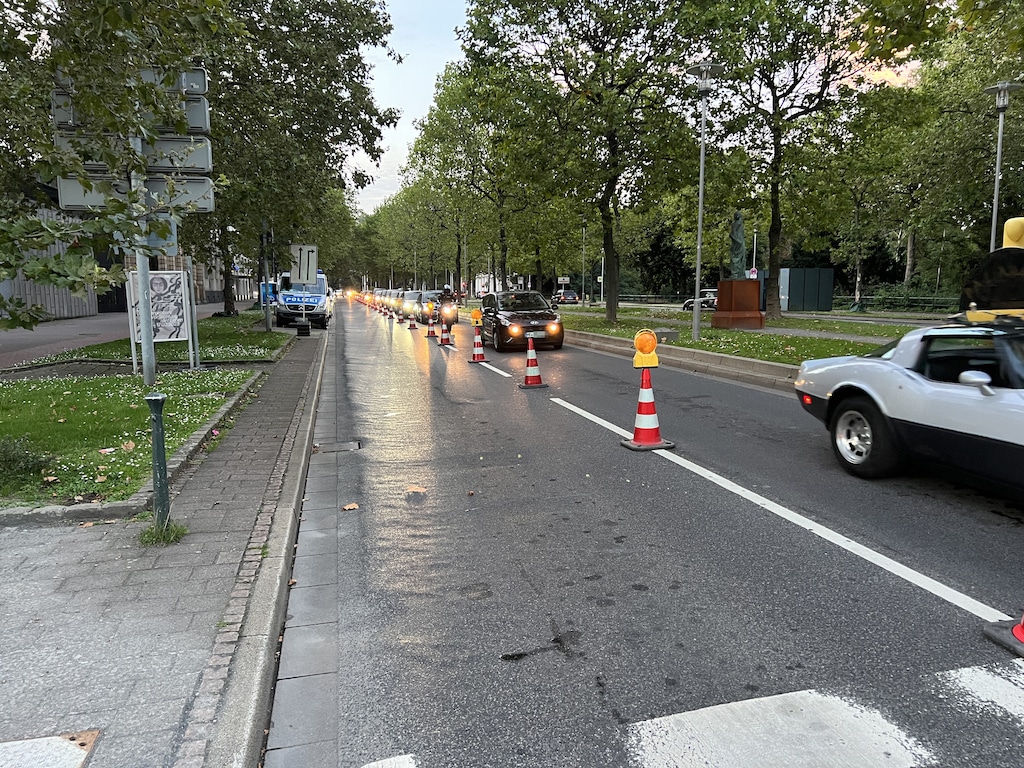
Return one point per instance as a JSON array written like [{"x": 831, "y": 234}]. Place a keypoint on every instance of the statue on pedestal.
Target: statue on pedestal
[{"x": 737, "y": 248}]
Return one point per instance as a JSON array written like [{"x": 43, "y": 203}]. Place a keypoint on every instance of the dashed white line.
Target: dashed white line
[
  {"x": 950, "y": 595},
  {"x": 498, "y": 371}
]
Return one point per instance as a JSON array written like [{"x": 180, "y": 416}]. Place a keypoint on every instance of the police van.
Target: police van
[{"x": 314, "y": 301}]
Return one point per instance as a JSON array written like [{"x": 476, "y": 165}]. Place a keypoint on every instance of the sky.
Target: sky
[{"x": 424, "y": 35}]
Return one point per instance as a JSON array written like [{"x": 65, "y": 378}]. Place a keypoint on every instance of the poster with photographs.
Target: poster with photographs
[{"x": 168, "y": 293}]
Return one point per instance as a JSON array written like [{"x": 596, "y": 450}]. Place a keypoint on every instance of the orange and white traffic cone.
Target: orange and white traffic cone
[
  {"x": 478, "y": 347},
  {"x": 445, "y": 340},
  {"x": 401, "y": 316},
  {"x": 412, "y": 322},
  {"x": 1009, "y": 634},
  {"x": 646, "y": 432},
  {"x": 532, "y": 379},
  {"x": 430, "y": 327}
]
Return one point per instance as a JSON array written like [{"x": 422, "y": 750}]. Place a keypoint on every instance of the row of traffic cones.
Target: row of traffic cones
[{"x": 646, "y": 429}]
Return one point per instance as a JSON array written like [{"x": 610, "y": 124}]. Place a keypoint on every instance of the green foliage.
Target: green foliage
[
  {"x": 20, "y": 462},
  {"x": 96, "y": 51},
  {"x": 155, "y": 536}
]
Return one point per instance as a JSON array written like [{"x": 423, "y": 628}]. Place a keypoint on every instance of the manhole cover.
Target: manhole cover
[{"x": 67, "y": 751}]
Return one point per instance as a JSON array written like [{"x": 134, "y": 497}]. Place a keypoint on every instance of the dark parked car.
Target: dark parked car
[
  {"x": 708, "y": 299},
  {"x": 565, "y": 296},
  {"x": 509, "y": 316}
]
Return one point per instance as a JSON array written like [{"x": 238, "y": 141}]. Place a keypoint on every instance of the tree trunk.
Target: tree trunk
[
  {"x": 910, "y": 258},
  {"x": 228, "y": 272},
  {"x": 501, "y": 271},
  {"x": 772, "y": 305}
]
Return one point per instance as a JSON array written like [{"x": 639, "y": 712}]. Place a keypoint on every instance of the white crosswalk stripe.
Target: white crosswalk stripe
[{"x": 810, "y": 729}]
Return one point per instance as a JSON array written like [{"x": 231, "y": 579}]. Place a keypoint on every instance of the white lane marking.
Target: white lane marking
[
  {"x": 1001, "y": 686},
  {"x": 496, "y": 370},
  {"x": 950, "y": 595},
  {"x": 403, "y": 761},
  {"x": 805, "y": 729},
  {"x": 596, "y": 419}
]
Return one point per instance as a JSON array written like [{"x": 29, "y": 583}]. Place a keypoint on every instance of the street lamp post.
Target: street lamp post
[
  {"x": 1002, "y": 91},
  {"x": 704, "y": 72},
  {"x": 583, "y": 265}
]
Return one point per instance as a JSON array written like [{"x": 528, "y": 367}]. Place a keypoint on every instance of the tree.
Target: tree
[
  {"x": 786, "y": 61},
  {"x": 97, "y": 51},
  {"x": 599, "y": 83},
  {"x": 290, "y": 104}
]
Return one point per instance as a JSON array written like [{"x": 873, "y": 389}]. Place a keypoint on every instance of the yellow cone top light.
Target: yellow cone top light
[
  {"x": 1013, "y": 233},
  {"x": 645, "y": 341},
  {"x": 476, "y": 317}
]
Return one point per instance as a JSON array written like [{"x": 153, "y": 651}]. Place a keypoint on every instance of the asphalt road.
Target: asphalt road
[{"x": 512, "y": 587}]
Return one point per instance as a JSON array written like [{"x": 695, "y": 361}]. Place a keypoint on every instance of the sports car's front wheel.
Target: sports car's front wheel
[{"x": 862, "y": 439}]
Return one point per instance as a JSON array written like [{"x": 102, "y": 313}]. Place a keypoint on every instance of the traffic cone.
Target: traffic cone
[
  {"x": 412, "y": 322},
  {"x": 478, "y": 347},
  {"x": 401, "y": 316},
  {"x": 430, "y": 327},
  {"x": 646, "y": 432},
  {"x": 532, "y": 379},
  {"x": 445, "y": 340},
  {"x": 1009, "y": 634}
]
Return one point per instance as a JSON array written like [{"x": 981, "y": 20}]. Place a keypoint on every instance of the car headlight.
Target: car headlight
[
  {"x": 554, "y": 328},
  {"x": 514, "y": 329}
]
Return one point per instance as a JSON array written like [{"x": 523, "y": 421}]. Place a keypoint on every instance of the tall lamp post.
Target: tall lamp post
[
  {"x": 705, "y": 74},
  {"x": 583, "y": 264},
  {"x": 1002, "y": 91}
]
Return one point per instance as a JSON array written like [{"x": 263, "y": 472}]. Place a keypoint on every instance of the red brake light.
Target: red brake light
[{"x": 806, "y": 399}]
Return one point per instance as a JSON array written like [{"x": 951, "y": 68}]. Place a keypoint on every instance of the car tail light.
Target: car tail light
[{"x": 806, "y": 399}]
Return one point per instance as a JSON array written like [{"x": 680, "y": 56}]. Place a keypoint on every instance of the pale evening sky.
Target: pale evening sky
[{"x": 424, "y": 35}]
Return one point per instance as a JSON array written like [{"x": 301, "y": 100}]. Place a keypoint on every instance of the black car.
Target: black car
[{"x": 509, "y": 316}]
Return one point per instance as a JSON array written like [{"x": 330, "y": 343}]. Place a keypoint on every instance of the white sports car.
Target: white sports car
[{"x": 952, "y": 394}]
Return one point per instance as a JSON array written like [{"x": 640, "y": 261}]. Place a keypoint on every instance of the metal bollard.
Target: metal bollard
[{"x": 161, "y": 492}]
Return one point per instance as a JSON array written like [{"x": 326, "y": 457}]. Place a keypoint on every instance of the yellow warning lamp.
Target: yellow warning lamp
[
  {"x": 645, "y": 341},
  {"x": 476, "y": 317},
  {"x": 1013, "y": 233}
]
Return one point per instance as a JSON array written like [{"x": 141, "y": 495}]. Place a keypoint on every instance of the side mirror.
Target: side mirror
[{"x": 978, "y": 379}]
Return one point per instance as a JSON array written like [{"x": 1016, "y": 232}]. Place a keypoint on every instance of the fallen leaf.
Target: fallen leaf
[
  {"x": 107, "y": 450},
  {"x": 350, "y": 507},
  {"x": 470, "y": 493},
  {"x": 50, "y": 479},
  {"x": 101, "y": 478},
  {"x": 214, "y": 432},
  {"x": 129, "y": 446},
  {"x": 61, "y": 421},
  {"x": 85, "y": 524},
  {"x": 133, "y": 405},
  {"x": 292, "y": 582},
  {"x": 102, "y": 469},
  {"x": 415, "y": 489}
]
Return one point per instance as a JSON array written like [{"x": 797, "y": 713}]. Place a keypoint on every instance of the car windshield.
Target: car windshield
[
  {"x": 520, "y": 301},
  {"x": 884, "y": 352}
]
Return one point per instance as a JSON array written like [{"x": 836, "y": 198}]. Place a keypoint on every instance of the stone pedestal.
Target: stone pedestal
[{"x": 739, "y": 303}]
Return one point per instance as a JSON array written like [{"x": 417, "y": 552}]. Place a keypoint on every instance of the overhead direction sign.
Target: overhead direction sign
[
  {"x": 193, "y": 192},
  {"x": 190, "y": 154}
]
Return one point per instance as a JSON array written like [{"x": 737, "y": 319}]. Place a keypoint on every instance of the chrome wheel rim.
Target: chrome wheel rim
[{"x": 853, "y": 437}]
